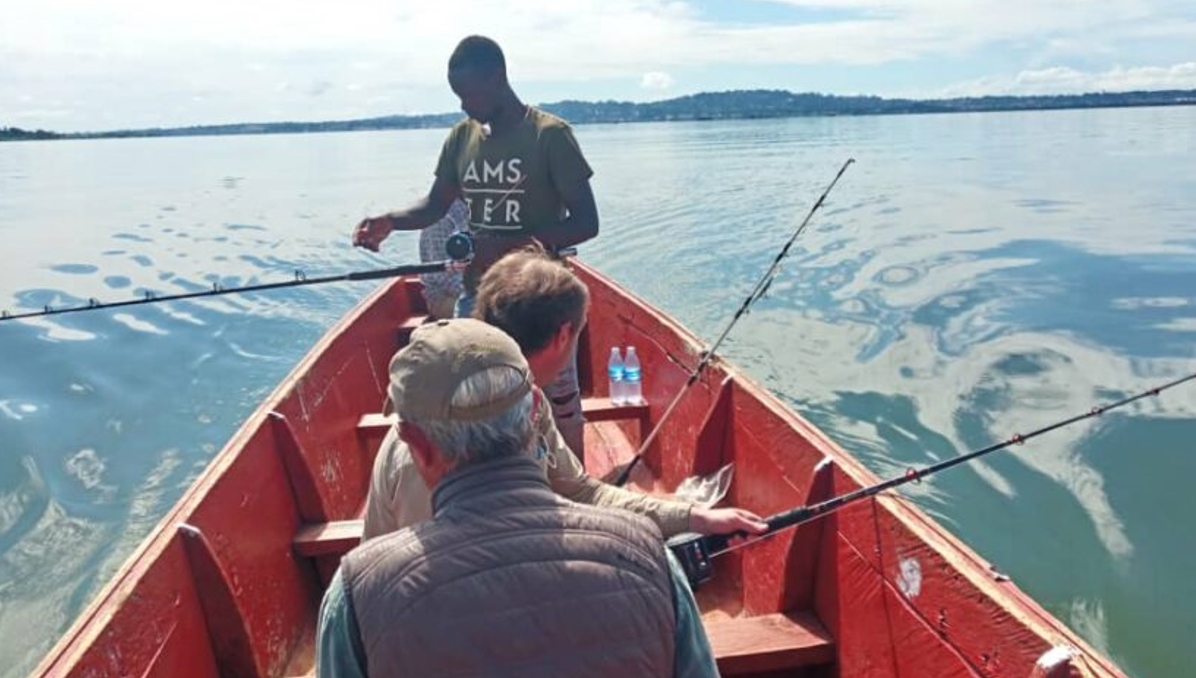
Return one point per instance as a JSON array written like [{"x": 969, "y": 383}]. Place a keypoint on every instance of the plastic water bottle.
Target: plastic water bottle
[
  {"x": 616, "y": 372},
  {"x": 633, "y": 388}
]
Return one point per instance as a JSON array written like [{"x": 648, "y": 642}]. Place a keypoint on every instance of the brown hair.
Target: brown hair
[{"x": 530, "y": 295}]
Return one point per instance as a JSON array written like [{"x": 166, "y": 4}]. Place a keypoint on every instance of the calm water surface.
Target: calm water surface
[{"x": 971, "y": 276}]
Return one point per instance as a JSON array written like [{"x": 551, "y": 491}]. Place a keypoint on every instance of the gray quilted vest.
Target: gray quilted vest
[{"x": 509, "y": 579}]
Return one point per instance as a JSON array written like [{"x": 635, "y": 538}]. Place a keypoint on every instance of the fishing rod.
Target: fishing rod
[
  {"x": 760, "y": 289},
  {"x": 459, "y": 249},
  {"x": 695, "y": 551}
]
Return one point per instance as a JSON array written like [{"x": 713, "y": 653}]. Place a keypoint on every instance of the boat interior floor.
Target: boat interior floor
[{"x": 792, "y": 643}]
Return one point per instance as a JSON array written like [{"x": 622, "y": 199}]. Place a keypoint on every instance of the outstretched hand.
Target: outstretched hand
[
  {"x": 725, "y": 521},
  {"x": 371, "y": 232}
]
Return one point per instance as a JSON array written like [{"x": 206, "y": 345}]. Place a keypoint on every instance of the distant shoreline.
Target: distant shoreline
[{"x": 732, "y": 105}]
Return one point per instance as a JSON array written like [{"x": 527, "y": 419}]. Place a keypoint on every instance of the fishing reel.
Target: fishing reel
[
  {"x": 694, "y": 552},
  {"x": 459, "y": 246}
]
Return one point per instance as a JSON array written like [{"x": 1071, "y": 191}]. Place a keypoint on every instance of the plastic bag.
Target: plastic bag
[{"x": 708, "y": 490}]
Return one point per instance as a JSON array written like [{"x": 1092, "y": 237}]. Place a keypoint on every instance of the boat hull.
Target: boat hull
[{"x": 230, "y": 581}]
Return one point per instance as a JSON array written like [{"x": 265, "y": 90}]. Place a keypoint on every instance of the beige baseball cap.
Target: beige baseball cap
[{"x": 426, "y": 372}]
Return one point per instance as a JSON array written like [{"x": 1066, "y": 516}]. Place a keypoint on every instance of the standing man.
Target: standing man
[{"x": 522, "y": 175}]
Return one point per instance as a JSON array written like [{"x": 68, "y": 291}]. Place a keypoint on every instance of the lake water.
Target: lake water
[{"x": 971, "y": 276}]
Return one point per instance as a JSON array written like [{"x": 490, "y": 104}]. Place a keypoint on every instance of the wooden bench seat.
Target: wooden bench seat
[
  {"x": 335, "y": 538},
  {"x": 772, "y": 642},
  {"x": 602, "y": 409},
  {"x": 408, "y": 326},
  {"x": 595, "y": 409}
]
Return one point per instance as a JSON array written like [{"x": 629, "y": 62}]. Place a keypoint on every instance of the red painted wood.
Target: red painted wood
[
  {"x": 304, "y": 485},
  {"x": 797, "y": 587},
  {"x": 846, "y": 570},
  {"x": 160, "y": 631},
  {"x": 148, "y": 616},
  {"x": 608, "y": 448},
  {"x": 231, "y": 645},
  {"x": 711, "y": 445},
  {"x": 747, "y": 645},
  {"x": 376, "y": 424},
  {"x": 602, "y": 409},
  {"x": 335, "y": 538}
]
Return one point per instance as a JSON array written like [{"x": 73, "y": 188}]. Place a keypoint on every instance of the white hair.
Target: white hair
[{"x": 509, "y": 434}]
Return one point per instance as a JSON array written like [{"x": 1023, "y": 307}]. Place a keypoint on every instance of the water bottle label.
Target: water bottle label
[
  {"x": 615, "y": 374},
  {"x": 631, "y": 375}
]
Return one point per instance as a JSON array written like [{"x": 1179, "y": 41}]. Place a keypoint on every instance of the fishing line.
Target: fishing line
[
  {"x": 758, "y": 291},
  {"x": 459, "y": 249},
  {"x": 695, "y": 551}
]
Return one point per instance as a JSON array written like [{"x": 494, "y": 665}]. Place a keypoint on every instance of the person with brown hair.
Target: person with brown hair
[
  {"x": 537, "y": 300},
  {"x": 542, "y": 305}
]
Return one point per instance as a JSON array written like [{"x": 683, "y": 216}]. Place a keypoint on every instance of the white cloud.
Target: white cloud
[
  {"x": 656, "y": 80},
  {"x": 319, "y": 87},
  {"x": 135, "y": 62},
  {"x": 1064, "y": 80}
]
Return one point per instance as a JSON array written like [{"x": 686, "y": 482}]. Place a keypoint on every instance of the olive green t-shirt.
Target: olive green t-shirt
[{"x": 511, "y": 182}]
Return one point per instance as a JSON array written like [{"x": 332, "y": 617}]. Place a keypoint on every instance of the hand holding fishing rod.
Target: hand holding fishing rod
[
  {"x": 696, "y": 551},
  {"x": 758, "y": 291},
  {"x": 459, "y": 249}
]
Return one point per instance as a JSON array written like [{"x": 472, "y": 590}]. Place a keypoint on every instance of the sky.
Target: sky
[{"x": 82, "y": 65}]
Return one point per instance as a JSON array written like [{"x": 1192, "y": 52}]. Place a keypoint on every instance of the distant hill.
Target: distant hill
[
  {"x": 18, "y": 134},
  {"x": 740, "y": 104}
]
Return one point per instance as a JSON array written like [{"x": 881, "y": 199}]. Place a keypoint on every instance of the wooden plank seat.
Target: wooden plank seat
[
  {"x": 408, "y": 326},
  {"x": 375, "y": 424},
  {"x": 595, "y": 409},
  {"x": 334, "y": 538},
  {"x": 602, "y": 409},
  {"x": 771, "y": 642}
]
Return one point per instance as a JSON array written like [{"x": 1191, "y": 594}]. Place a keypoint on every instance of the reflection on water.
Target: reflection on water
[{"x": 971, "y": 276}]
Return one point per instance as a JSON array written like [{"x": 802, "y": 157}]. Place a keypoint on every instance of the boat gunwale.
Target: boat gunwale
[
  {"x": 89, "y": 624},
  {"x": 980, "y": 572}
]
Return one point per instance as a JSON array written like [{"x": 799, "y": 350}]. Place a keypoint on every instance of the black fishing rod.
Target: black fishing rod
[
  {"x": 758, "y": 291},
  {"x": 459, "y": 249},
  {"x": 695, "y": 551}
]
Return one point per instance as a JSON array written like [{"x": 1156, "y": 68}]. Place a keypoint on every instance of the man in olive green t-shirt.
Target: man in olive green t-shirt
[{"x": 523, "y": 176}]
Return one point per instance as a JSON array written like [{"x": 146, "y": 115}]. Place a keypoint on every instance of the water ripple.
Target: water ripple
[{"x": 958, "y": 287}]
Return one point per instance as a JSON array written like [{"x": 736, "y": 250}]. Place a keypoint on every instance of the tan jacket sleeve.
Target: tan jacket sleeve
[
  {"x": 398, "y": 497},
  {"x": 569, "y": 479}
]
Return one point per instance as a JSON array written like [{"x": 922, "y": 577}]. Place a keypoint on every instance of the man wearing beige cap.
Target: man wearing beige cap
[
  {"x": 491, "y": 585},
  {"x": 539, "y": 302}
]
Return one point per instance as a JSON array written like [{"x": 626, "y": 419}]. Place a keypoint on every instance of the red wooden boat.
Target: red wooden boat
[{"x": 230, "y": 581}]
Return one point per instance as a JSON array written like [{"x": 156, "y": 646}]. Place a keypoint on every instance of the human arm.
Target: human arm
[
  {"x": 570, "y": 174},
  {"x": 423, "y": 213},
  {"x": 692, "y": 656},
  {"x": 569, "y": 479},
  {"x": 670, "y": 515},
  {"x": 338, "y": 643},
  {"x": 581, "y": 224},
  {"x": 728, "y": 520}
]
